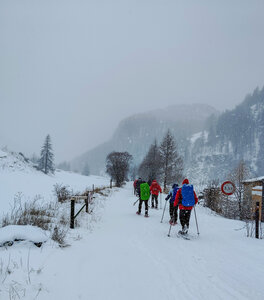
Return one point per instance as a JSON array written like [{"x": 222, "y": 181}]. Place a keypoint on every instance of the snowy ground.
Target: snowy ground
[
  {"x": 130, "y": 257},
  {"x": 29, "y": 184}
]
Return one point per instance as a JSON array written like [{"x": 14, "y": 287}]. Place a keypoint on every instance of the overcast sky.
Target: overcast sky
[{"x": 74, "y": 69}]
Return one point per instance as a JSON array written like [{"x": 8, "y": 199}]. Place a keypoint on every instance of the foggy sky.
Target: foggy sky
[{"x": 74, "y": 69}]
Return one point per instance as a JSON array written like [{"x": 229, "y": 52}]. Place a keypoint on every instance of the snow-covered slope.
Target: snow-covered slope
[
  {"x": 130, "y": 257},
  {"x": 19, "y": 177}
]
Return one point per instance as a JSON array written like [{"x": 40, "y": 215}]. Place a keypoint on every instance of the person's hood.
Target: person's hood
[
  {"x": 185, "y": 181},
  {"x": 175, "y": 185}
]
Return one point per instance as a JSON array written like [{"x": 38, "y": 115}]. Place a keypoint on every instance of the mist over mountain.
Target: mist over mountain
[
  {"x": 135, "y": 134},
  {"x": 210, "y": 142}
]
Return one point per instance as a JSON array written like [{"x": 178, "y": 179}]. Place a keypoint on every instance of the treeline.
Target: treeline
[
  {"x": 241, "y": 127},
  {"x": 162, "y": 162}
]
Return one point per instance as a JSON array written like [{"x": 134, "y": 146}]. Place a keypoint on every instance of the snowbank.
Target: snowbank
[{"x": 22, "y": 232}]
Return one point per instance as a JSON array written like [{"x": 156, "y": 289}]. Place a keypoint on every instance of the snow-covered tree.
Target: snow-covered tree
[
  {"x": 238, "y": 175},
  {"x": 117, "y": 166},
  {"x": 171, "y": 161},
  {"x": 46, "y": 163},
  {"x": 150, "y": 168}
]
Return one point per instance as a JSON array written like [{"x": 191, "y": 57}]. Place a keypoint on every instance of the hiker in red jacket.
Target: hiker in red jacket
[
  {"x": 135, "y": 186},
  {"x": 155, "y": 189},
  {"x": 186, "y": 199}
]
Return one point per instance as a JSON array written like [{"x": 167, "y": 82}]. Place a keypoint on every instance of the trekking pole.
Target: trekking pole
[
  {"x": 163, "y": 212},
  {"x": 160, "y": 202},
  {"x": 136, "y": 202},
  {"x": 169, "y": 231},
  {"x": 196, "y": 221}
]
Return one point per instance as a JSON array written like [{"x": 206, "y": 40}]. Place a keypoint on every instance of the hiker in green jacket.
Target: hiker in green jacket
[{"x": 143, "y": 197}]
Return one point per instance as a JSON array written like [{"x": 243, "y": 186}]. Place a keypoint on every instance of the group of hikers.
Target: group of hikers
[{"x": 183, "y": 198}]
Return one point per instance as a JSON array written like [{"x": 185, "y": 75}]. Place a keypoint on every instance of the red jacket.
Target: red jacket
[
  {"x": 155, "y": 188},
  {"x": 178, "y": 198},
  {"x": 135, "y": 183}
]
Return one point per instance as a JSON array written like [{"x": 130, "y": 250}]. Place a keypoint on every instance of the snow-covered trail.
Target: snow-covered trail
[{"x": 131, "y": 257}]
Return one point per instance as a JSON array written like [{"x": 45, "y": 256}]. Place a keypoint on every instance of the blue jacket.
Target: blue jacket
[{"x": 172, "y": 194}]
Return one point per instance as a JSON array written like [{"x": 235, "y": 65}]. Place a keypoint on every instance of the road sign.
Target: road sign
[{"x": 228, "y": 188}]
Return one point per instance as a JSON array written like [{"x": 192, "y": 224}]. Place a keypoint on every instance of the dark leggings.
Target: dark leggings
[
  {"x": 154, "y": 197},
  {"x": 140, "y": 205},
  {"x": 185, "y": 217},
  {"x": 173, "y": 212}
]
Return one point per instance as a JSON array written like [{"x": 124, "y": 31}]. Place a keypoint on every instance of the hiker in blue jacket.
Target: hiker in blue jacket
[
  {"x": 173, "y": 209},
  {"x": 186, "y": 199}
]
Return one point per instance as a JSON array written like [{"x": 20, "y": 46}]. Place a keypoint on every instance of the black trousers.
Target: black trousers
[
  {"x": 185, "y": 217},
  {"x": 140, "y": 205},
  {"x": 154, "y": 198},
  {"x": 173, "y": 212}
]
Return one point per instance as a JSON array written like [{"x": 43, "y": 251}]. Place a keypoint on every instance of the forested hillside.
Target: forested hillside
[{"x": 234, "y": 135}]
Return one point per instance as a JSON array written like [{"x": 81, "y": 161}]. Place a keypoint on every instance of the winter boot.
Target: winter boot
[
  {"x": 146, "y": 215},
  {"x": 185, "y": 229},
  {"x": 138, "y": 212}
]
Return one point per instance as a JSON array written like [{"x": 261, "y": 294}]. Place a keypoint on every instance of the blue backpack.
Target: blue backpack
[{"x": 187, "y": 195}]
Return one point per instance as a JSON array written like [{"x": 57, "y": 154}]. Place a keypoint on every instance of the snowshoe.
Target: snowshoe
[
  {"x": 138, "y": 213},
  {"x": 146, "y": 215}
]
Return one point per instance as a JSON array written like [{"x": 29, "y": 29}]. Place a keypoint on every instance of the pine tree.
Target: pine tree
[
  {"x": 46, "y": 157},
  {"x": 150, "y": 168},
  {"x": 171, "y": 161}
]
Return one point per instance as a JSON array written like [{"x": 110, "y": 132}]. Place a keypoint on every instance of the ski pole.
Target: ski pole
[
  {"x": 196, "y": 221},
  {"x": 163, "y": 212},
  {"x": 160, "y": 202},
  {"x": 169, "y": 231},
  {"x": 136, "y": 202}
]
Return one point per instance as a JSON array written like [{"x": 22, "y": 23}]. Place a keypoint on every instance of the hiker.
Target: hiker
[
  {"x": 144, "y": 195},
  {"x": 139, "y": 181},
  {"x": 173, "y": 209},
  {"x": 155, "y": 190},
  {"x": 186, "y": 199},
  {"x": 135, "y": 185}
]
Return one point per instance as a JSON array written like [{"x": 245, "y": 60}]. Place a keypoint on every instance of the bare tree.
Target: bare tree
[
  {"x": 117, "y": 166},
  {"x": 150, "y": 168},
  {"x": 237, "y": 176},
  {"x": 171, "y": 161}
]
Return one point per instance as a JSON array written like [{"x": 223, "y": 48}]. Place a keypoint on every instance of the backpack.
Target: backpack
[
  {"x": 187, "y": 195},
  {"x": 144, "y": 191}
]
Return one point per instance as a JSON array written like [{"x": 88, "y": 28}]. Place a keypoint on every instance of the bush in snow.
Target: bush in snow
[
  {"x": 62, "y": 192},
  {"x": 47, "y": 216}
]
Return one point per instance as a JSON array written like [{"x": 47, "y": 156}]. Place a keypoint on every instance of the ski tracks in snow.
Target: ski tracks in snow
[{"x": 131, "y": 257}]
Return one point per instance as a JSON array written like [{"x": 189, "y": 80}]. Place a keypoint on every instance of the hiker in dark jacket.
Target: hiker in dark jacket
[
  {"x": 139, "y": 181},
  {"x": 173, "y": 209},
  {"x": 186, "y": 199}
]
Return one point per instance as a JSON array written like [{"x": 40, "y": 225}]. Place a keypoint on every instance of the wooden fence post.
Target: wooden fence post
[
  {"x": 87, "y": 203},
  {"x": 72, "y": 214},
  {"x": 257, "y": 220}
]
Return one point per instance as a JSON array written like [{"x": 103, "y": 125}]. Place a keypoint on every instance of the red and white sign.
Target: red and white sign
[{"x": 228, "y": 188}]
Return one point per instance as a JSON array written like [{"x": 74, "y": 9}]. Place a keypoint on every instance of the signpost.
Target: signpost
[{"x": 228, "y": 188}]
